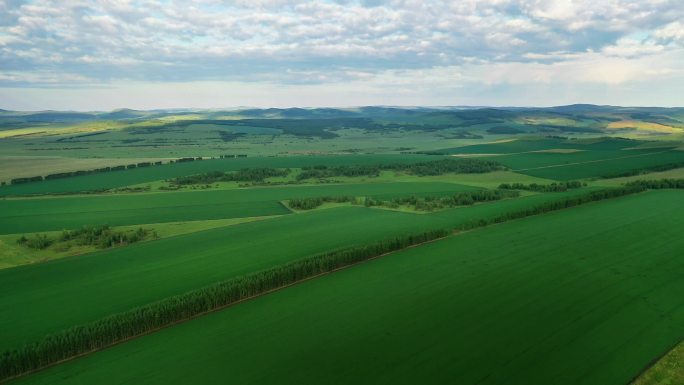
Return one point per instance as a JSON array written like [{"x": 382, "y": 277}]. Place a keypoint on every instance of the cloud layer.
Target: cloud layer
[{"x": 390, "y": 46}]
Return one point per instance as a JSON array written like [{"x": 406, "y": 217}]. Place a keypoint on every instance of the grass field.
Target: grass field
[
  {"x": 57, "y": 213},
  {"x": 669, "y": 370},
  {"x": 110, "y": 281},
  {"x": 553, "y": 299}
]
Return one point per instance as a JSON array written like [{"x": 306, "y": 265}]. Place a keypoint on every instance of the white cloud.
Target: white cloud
[
  {"x": 673, "y": 31},
  {"x": 470, "y": 42}
]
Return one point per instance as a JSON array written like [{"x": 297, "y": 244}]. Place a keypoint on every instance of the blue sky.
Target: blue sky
[{"x": 101, "y": 55}]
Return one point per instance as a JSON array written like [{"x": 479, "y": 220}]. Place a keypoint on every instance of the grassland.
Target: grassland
[
  {"x": 669, "y": 370},
  {"x": 643, "y": 126},
  {"x": 595, "y": 311},
  {"x": 109, "y": 281}
]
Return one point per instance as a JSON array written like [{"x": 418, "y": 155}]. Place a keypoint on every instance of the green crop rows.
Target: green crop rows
[
  {"x": 335, "y": 246},
  {"x": 595, "y": 311}
]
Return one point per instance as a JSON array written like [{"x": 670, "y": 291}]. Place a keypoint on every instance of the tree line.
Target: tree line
[
  {"x": 322, "y": 171},
  {"x": 419, "y": 203},
  {"x": 429, "y": 168},
  {"x": 449, "y": 165},
  {"x": 643, "y": 170},
  {"x": 436, "y": 167},
  {"x": 658, "y": 184},
  {"x": 432, "y": 203},
  {"x": 257, "y": 174},
  {"x": 553, "y": 187},
  {"x": 312, "y": 203},
  {"x": 69, "y": 174},
  {"x": 109, "y": 330},
  {"x": 99, "y": 236}
]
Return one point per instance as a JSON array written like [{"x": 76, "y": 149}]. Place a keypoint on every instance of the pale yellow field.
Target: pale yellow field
[
  {"x": 644, "y": 126},
  {"x": 560, "y": 150},
  {"x": 24, "y": 166},
  {"x": 78, "y": 128}
]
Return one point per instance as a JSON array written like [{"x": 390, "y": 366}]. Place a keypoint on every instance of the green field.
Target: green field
[
  {"x": 668, "y": 370},
  {"x": 57, "y": 213},
  {"x": 583, "y": 165},
  {"x": 526, "y": 145},
  {"x": 109, "y": 281},
  {"x": 514, "y": 303},
  {"x": 13, "y": 254},
  {"x": 581, "y": 295},
  {"x": 114, "y": 179}
]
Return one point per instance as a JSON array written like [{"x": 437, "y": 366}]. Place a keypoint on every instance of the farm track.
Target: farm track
[{"x": 591, "y": 161}]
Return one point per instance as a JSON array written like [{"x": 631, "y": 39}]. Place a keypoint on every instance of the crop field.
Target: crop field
[
  {"x": 357, "y": 245},
  {"x": 14, "y": 254},
  {"x": 113, "y": 179},
  {"x": 109, "y": 281},
  {"x": 58, "y": 213},
  {"x": 25, "y": 166},
  {"x": 595, "y": 312},
  {"x": 605, "y": 167},
  {"x": 589, "y": 164},
  {"x": 514, "y": 146}
]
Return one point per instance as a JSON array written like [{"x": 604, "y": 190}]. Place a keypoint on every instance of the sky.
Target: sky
[{"x": 148, "y": 54}]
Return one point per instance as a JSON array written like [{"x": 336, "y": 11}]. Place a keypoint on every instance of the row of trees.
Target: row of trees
[
  {"x": 312, "y": 203},
  {"x": 659, "y": 184},
  {"x": 449, "y": 165},
  {"x": 257, "y": 174},
  {"x": 421, "y": 203},
  {"x": 434, "y": 167},
  {"x": 137, "y": 321},
  {"x": 322, "y": 171},
  {"x": 560, "y": 204},
  {"x": 107, "y": 331},
  {"x": 432, "y": 203},
  {"x": 69, "y": 174},
  {"x": 644, "y": 170},
  {"x": 553, "y": 187},
  {"x": 99, "y": 236}
]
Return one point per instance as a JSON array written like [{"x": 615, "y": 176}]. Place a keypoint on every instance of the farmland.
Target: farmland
[
  {"x": 369, "y": 245},
  {"x": 179, "y": 266},
  {"x": 57, "y": 213},
  {"x": 595, "y": 312}
]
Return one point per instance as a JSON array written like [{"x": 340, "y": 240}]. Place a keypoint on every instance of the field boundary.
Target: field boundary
[
  {"x": 591, "y": 161},
  {"x": 655, "y": 361}
]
